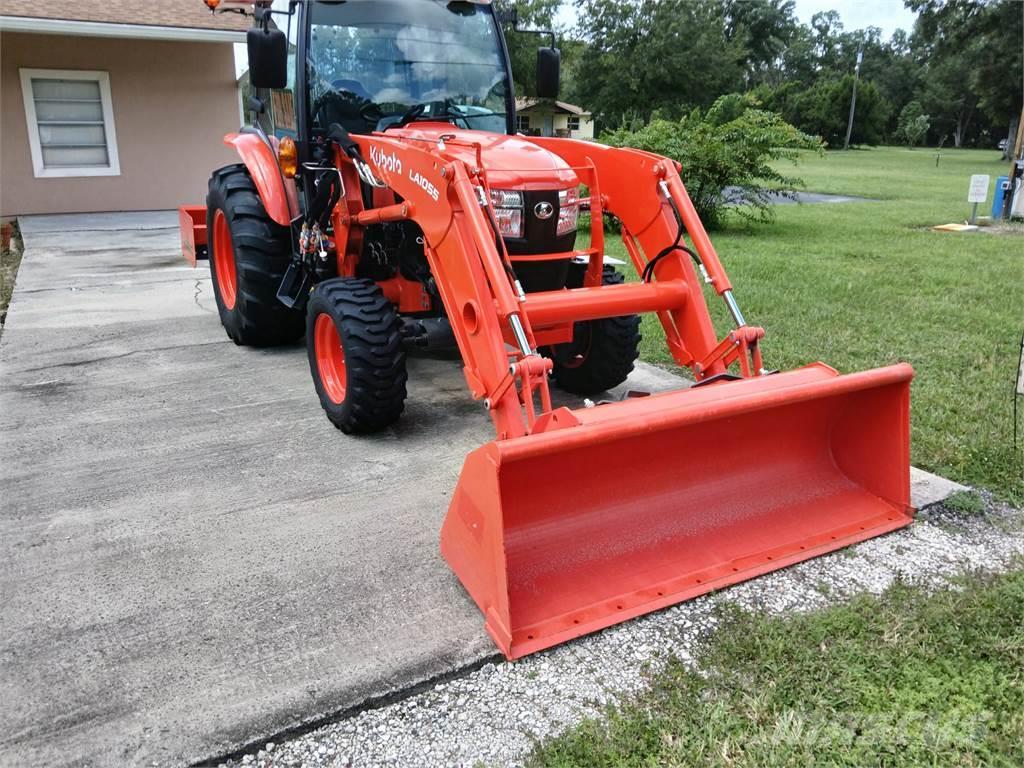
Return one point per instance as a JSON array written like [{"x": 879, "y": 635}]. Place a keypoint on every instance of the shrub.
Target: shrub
[
  {"x": 726, "y": 155},
  {"x": 913, "y": 124}
]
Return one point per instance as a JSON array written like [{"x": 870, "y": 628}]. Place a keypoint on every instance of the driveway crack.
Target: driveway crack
[{"x": 91, "y": 361}]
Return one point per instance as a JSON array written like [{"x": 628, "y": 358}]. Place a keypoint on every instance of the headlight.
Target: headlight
[
  {"x": 568, "y": 210},
  {"x": 506, "y": 198},
  {"x": 507, "y": 205}
]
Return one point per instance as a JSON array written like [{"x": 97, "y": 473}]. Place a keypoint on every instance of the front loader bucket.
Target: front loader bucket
[{"x": 655, "y": 500}]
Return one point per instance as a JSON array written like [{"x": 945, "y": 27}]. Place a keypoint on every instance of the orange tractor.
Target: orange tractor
[{"x": 384, "y": 199}]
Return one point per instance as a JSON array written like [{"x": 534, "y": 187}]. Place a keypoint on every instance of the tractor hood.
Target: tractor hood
[{"x": 511, "y": 162}]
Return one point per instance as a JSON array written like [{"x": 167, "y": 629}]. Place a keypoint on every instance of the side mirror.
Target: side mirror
[
  {"x": 257, "y": 105},
  {"x": 268, "y": 57},
  {"x": 549, "y": 63}
]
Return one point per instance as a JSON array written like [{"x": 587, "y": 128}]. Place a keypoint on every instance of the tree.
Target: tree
[
  {"x": 823, "y": 53},
  {"x": 949, "y": 97},
  {"x": 654, "y": 56},
  {"x": 823, "y": 110},
  {"x": 764, "y": 29},
  {"x": 983, "y": 37},
  {"x": 895, "y": 70},
  {"x": 913, "y": 124},
  {"x": 827, "y": 28}
]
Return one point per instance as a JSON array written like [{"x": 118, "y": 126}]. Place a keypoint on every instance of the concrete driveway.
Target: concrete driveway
[{"x": 192, "y": 558}]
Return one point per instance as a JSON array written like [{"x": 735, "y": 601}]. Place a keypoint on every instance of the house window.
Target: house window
[
  {"x": 574, "y": 122},
  {"x": 70, "y": 123},
  {"x": 523, "y": 123}
]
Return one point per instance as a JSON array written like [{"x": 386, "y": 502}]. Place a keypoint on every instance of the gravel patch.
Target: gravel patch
[{"x": 494, "y": 715}]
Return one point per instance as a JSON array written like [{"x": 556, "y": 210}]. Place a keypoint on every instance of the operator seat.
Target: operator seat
[{"x": 345, "y": 104}]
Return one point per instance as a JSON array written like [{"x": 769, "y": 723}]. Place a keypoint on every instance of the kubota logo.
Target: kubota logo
[{"x": 385, "y": 162}]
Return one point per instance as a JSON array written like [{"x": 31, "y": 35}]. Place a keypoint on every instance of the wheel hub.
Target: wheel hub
[
  {"x": 330, "y": 358},
  {"x": 224, "y": 260}
]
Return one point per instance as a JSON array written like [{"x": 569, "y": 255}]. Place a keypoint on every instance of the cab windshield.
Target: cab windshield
[{"x": 376, "y": 64}]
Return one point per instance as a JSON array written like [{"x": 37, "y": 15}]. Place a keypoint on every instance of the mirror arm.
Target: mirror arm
[
  {"x": 537, "y": 32},
  {"x": 263, "y": 13}
]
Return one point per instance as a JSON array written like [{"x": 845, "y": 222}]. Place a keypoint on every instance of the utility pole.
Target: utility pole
[{"x": 853, "y": 100}]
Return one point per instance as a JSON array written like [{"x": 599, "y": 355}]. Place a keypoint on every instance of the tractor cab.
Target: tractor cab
[
  {"x": 430, "y": 72},
  {"x": 384, "y": 64}
]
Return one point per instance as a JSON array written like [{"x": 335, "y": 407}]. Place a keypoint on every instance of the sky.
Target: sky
[{"x": 888, "y": 15}]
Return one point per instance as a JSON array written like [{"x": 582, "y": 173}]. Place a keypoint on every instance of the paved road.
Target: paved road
[
  {"x": 191, "y": 557},
  {"x": 732, "y": 195}
]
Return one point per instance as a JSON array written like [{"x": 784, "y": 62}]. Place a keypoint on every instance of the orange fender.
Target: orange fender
[{"x": 277, "y": 194}]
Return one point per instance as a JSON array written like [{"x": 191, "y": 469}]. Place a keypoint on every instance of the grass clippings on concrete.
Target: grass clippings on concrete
[{"x": 10, "y": 260}]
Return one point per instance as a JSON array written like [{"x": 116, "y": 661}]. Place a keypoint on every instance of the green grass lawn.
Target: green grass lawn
[
  {"x": 865, "y": 284},
  {"x": 911, "y": 678},
  {"x": 908, "y": 679}
]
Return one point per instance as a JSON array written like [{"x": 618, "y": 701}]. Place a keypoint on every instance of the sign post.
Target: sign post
[{"x": 978, "y": 193}]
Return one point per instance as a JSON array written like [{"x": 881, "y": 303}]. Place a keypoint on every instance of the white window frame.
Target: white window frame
[
  {"x": 568, "y": 122},
  {"x": 103, "y": 78},
  {"x": 520, "y": 119}
]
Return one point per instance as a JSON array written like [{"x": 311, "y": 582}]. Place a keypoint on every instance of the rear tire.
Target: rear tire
[
  {"x": 356, "y": 357},
  {"x": 602, "y": 352},
  {"x": 248, "y": 253}
]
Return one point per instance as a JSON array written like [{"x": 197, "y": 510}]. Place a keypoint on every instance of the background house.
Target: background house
[
  {"x": 538, "y": 117},
  {"x": 109, "y": 106}
]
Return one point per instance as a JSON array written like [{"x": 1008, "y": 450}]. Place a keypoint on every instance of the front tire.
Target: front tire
[
  {"x": 602, "y": 352},
  {"x": 356, "y": 358},
  {"x": 249, "y": 253}
]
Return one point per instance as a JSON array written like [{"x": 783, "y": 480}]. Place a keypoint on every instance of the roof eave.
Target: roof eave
[{"x": 108, "y": 29}]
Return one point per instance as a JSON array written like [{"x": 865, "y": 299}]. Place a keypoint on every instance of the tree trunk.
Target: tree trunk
[
  {"x": 963, "y": 120},
  {"x": 1011, "y": 136}
]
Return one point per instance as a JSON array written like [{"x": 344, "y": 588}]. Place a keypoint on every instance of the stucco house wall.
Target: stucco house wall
[
  {"x": 534, "y": 118},
  {"x": 172, "y": 102},
  {"x": 585, "y": 131}
]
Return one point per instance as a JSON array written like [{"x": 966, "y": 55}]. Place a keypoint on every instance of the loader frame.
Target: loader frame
[{"x": 498, "y": 329}]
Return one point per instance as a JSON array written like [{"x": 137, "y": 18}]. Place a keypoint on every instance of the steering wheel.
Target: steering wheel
[{"x": 371, "y": 113}]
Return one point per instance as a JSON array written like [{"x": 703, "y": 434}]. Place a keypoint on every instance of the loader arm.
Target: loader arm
[{"x": 443, "y": 197}]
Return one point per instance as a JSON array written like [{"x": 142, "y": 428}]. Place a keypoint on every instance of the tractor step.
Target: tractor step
[{"x": 192, "y": 223}]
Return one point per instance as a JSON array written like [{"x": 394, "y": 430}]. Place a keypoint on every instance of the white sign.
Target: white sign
[
  {"x": 1020, "y": 373},
  {"x": 979, "y": 188}
]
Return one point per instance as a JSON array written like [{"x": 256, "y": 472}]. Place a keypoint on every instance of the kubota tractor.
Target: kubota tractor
[{"x": 384, "y": 198}]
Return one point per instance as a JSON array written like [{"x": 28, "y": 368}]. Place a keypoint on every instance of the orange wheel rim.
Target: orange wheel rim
[
  {"x": 330, "y": 358},
  {"x": 224, "y": 260}
]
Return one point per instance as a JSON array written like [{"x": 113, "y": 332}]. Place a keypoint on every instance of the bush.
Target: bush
[
  {"x": 913, "y": 124},
  {"x": 726, "y": 155}
]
